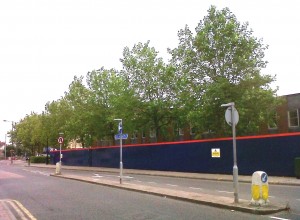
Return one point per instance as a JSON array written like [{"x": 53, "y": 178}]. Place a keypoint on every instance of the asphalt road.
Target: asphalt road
[
  {"x": 55, "y": 198},
  {"x": 277, "y": 193}
]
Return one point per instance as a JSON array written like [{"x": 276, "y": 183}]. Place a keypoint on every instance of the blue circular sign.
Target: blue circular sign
[{"x": 264, "y": 177}]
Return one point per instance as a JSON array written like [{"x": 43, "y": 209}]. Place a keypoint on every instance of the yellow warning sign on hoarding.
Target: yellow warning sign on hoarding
[{"x": 215, "y": 152}]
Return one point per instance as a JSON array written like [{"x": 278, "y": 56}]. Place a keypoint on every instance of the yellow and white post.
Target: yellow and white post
[{"x": 260, "y": 188}]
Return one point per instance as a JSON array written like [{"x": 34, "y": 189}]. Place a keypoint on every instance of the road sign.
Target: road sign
[
  {"x": 60, "y": 140},
  {"x": 228, "y": 116},
  {"x": 124, "y": 136},
  {"x": 215, "y": 152},
  {"x": 264, "y": 177},
  {"x": 120, "y": 128}
]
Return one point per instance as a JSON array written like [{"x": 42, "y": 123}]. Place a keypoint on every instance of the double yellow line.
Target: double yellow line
[{"x": 12, "y": 209}]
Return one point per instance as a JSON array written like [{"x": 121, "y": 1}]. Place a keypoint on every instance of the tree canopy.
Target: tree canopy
[{"x": 220, "y": 62}]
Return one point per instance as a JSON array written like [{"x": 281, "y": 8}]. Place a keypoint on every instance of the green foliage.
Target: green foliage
[
  {"x": 39, "y": 159},
  {"x": 222, "y": 64},
  {"x": 8, "y": 151},
  {"x": 153, "y": 83},
  {"x": 78, "y": 109}
]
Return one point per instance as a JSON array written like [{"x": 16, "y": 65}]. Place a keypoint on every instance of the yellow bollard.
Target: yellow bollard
[
  {"x": 259, "y": 188},
  {"x": 265, "y": 192},
  {"x": 255, "y": 192}
]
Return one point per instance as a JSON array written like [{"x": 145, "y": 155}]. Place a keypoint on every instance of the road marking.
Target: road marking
[
  {"x": 225, "y": 192},
  {"x": 152, "y": 182},
  {"x": 138, "y": 181},
  {"x": 298, "y": 200},
  {"x": 42, "y": 173},
  {"x": 126, "y": 177},
  {"x": 196, "y": 188},
  {"x": 97, "y": 176},
  {"x": 37, "y": 172},
  {"x": 273, "y": 217},
  {"x": 25, "y": 210},
  {"x": 111, "y": 176},
  {"x": 171, "y": 185},
  {"x": 15, "y": 210}
]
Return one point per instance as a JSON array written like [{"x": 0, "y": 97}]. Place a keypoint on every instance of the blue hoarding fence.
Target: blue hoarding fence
[{"x": 274, "y": 154}]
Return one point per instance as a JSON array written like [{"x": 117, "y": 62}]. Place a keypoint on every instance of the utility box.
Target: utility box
[
  {"x": 260, "y": 188},
  {"x": 297, "y": 167}
]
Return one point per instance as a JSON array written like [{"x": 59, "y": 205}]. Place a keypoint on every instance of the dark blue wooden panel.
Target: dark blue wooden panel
[{"x": 272, "y": 154}]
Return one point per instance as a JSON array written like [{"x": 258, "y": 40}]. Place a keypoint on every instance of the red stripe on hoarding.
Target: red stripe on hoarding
[{"x": 193, "y": 141}]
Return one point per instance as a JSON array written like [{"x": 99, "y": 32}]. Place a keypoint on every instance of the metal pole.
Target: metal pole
[
  {"x": 60, "y": 154},
  {"x": 12, "y": 128},
  {"x": 11, "y": 156},
  {"x": 47, "y": 151},
  {"x": 5, "y": 148},
  {"x": 121, "y": 153},
  {"x": 235, "y": 167},
  {"x": 120, "y": 128},
  {"x": 60, "y": 140}
]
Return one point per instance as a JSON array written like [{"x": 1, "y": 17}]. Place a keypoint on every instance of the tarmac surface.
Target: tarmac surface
[
  {"x": 14, "y": 210},
  {"x": 200, "y": 198}
]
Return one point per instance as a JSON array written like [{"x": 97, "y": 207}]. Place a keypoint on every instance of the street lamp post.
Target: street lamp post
[
  {"x": 120, "y": 128},
  {"x": 5, "y": 147},
  {"x": 12, "y": 128},
  {"x": 44, "y": 114},
  {"x": 232, "y": 119},
  {"x": 47, "y": 152}
]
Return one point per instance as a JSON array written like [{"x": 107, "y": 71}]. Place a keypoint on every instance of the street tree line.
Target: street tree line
[{"x": 220, "y": 62}]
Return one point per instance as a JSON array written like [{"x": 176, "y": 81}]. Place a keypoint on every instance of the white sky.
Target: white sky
[{"x": 45, "y": 43}]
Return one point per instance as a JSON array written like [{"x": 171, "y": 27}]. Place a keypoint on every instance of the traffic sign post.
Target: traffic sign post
[
  {"x": 60, "y": 140},
  {"x": 120, "y": 137},
  {"x": 232, "y": 118},
  {"x": 231, "y": 115}
]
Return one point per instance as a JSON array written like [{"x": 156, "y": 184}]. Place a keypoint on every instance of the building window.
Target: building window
[
  {"x": 152, "y": 135},
  {"x": 134, "y": 137},
  {"x": 293, "y": 117}
]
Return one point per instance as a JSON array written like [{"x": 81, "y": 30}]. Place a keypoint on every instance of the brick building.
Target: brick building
[{"x": 286, "y": 118}]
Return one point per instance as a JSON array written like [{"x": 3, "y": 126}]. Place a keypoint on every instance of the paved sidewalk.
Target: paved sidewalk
[
  {"x": 200, "y": 198},
  {"x": 293, "y": 181}
]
